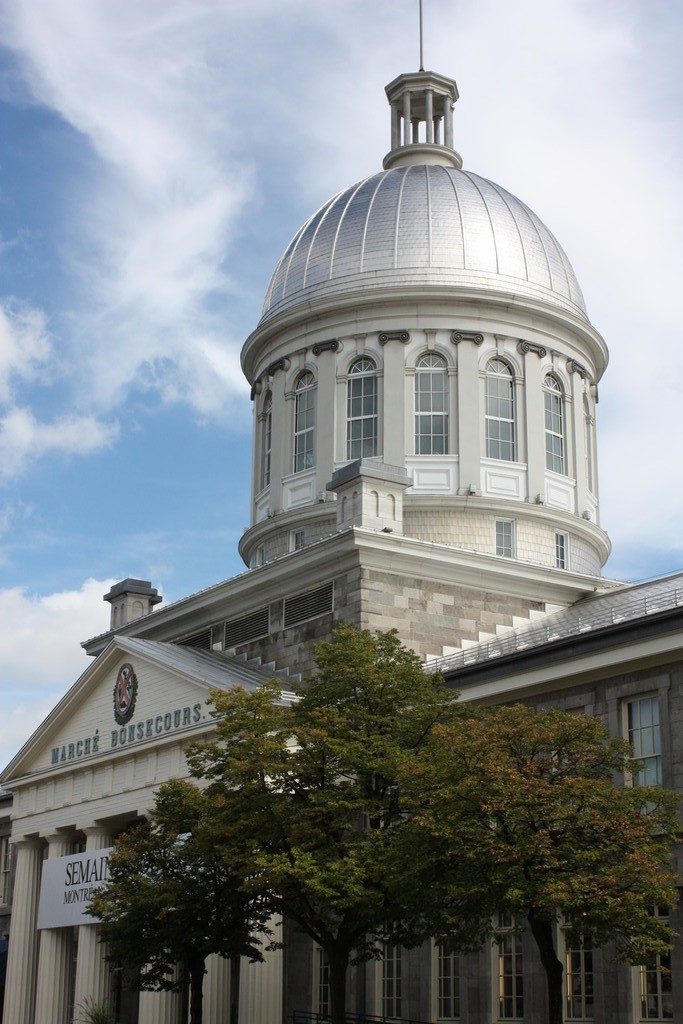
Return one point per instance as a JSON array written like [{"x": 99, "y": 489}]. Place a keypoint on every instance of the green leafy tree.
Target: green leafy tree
[
  {"x": 319, "y": 799},
  {"x": 176, "y": 895},
  {"x": 526, "y": 811}
]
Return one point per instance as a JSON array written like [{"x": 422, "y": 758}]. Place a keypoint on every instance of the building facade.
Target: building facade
[{"x": 424, "y": 382}]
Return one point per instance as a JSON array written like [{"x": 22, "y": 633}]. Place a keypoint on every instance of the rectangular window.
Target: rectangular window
[
  {"x": 297, "y": 539},
  {"x": 644, "y": 737},
  {"x": 505, "y": 538},
  {"x": 446, "y": 983},
  {"x": 561, "y": 551},
  {"x": 656, "y": 1000},
  {"x": 321, "y": 982},
  {"x": 391, "y": 981},
  {"x": 361, "y": 410},
  {"x": 578, "y": 967},
  {"x": 5, "y": 853},
  {"x": 510, "y": 970},
  {"x": 304, "y": 424}
]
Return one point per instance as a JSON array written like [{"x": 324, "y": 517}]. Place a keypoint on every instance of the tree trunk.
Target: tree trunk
[
  {"x": 542, "y": 932},
  {"x": 339, "y": 964},
  {"x": 234, "y": 989},
  {"x": 197, "y": 972}
]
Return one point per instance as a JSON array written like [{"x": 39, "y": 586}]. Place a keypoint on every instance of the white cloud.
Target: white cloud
[
  {"x": 151, "y": 225},
  {"x": 24, "y": 345},
  {"x": 40, "y": 653},
  {"x": 23, "y": 438}
]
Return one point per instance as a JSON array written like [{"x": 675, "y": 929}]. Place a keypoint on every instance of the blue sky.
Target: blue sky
[{"x": 155, "y": 158}]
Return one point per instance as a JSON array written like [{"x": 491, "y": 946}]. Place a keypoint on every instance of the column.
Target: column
[
  {"x": 395, "y": 126},
  {"x": 93, "y": 975},
  {"x": 22, "y": 957},
  {"x": 160, "y": 1008},
  {"x": 429, "y": 116},
  {"x": 281, "y": 439},
  {"x": 216, "y": 1002},
  {"x": 394, "y": 441},
  {"x": 406, "y": 118},
  {"x": 447, "y": 122},
  {"x": 328, "y": 413},
  {"x": 576, "y": 440},
  {"x": 534, "y": 426},
  {"x": 470, "y": 442},
  {"x": 54, "y": 959},
  {"x": 261, "y": 986}
]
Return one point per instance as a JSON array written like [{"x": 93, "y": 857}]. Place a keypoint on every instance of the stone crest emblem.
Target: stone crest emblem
[{"x": 125, "y": 694}]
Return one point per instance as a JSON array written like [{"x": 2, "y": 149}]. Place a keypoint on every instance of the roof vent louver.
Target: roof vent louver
[
  {"x": 249, "y": 627},
  {"x": 200, "y": 641},
  {"x": 309, "y": 605}
]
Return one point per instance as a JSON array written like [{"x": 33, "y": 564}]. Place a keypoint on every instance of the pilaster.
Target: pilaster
[
  {"x": 160, "y": 1008},
  {"x": 22, "y": 958},
  {"x": 93, "y": 975},
  {"x": 54, "y": 958},
  {"x": 393, "y": 448},
  {"x": 216, "y": 990}
]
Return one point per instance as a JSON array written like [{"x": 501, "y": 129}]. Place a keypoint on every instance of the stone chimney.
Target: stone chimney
[{"x": 131, "y": 599}]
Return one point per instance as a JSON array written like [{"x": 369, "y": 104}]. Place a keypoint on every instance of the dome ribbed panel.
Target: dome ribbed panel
[
  {"x": 508, "y": 231},
  {"x": 293, "y": 268},
  {"x": 418, "y": 226},
  {"x": 322, "y": 243},
  {"x": 480, "y": 241},
  {"x": 349, "y": 244},
  {"x": 413, "y": 231},
  {"x": 447, "y": 239},
  {"x": 379, "y": 242}
]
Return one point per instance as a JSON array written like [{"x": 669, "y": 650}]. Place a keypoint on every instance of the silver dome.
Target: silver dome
[{"x": 423, "y": 225}]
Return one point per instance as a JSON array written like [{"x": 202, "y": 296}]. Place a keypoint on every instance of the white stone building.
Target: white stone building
[{"x": 424, "y": 378}]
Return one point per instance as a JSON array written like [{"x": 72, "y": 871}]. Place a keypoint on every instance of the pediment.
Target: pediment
[{"x": 135, "y": 694}]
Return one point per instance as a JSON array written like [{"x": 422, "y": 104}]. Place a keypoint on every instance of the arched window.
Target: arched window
[
  {"x": 304, "y": 423},
  {"x": 500, "y": 411},
  {"x": 553, "y": 398},
  {"x": 361, "y": 409},
  {"x": 266, "y": 439},
  {"x": 431, "y": 405}
]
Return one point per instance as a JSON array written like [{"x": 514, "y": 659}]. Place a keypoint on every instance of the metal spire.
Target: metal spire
[{"x": 421, "y": 40}]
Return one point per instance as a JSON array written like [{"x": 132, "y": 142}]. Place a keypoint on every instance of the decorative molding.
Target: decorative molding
[
  {"x": 279, "y": 364},
  {"x": 325, "y": 346},
  {"x": 458, "y": 336},
  {"x": 256, "y": 389},
  {"x": 574, "y": 367},
  {"x": 384, "y": 336},
  {"x": 524, "y": 346}
]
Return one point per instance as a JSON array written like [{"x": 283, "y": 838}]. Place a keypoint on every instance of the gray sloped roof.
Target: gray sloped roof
[
  {"x": 627, "y": 605},
  {"x": 212, "y": 668}
]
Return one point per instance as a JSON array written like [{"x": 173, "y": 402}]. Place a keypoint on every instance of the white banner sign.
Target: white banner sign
[{"x": 67, "y": 886}]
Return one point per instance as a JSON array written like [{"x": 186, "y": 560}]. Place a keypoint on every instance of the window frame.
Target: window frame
[
  {"x": 303, "y": 448},
  {"x": 266, "y": 440},
  {"x": 583, "y": 955},
  {"x": 506, "y": 547},
  {"x": 443, "y": 979},
  {"x": 391, "y": 981},
  {"x": 554, "y": 424},
  {"x": 5, "y": 870},
  {"x": 362, "y": 386},
  {"x": 431, "y": 368},
  {"x": 654, "y": 759},
  {"x": 561, "y": 550},
  {"x": 496, "y": 424},
  {"x": 661, "y": 972},
  {"x": 509, "y": 949}
]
